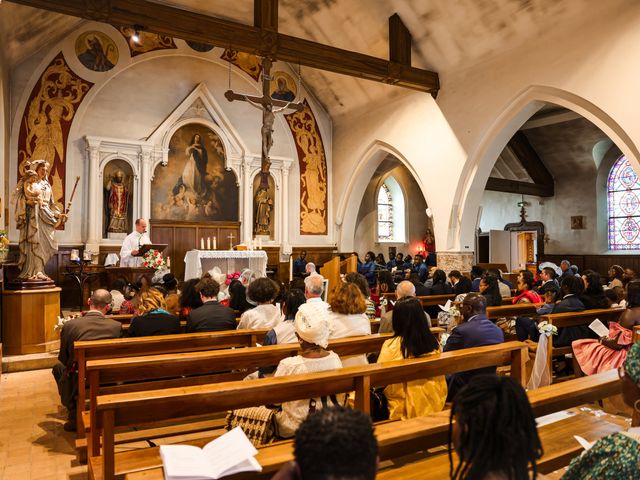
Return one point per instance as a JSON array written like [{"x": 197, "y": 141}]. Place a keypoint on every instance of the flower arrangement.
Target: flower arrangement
[
  {"x": 4, "y": 241},
  {"x": 62, "y": 320},
  {"x": 548, "y": 329},
  {"x": 231, "y": 277},
  {"x": 154, "y": 259}
]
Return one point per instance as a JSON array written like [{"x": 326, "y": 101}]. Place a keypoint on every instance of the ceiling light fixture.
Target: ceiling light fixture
[{"x": 136, "y": 34}]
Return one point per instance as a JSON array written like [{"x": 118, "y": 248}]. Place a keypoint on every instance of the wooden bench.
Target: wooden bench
[
  {"x": 129, "y": 410},
  {"x": 572, "y": 319},
  {"x": 397, "y": 439},
  {"x": 636, "y": 334}
]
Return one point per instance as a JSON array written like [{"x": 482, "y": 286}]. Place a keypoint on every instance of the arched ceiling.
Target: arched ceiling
[{"x": 447, "y": 35}]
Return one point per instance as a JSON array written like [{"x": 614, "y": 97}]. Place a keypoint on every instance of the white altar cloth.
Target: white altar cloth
[{"x": 199, "y": 261}]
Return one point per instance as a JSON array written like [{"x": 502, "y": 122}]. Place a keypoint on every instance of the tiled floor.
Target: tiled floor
[{"x": 33, "y": 445}]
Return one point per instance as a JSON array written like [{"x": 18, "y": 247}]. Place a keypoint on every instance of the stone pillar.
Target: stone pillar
[
  {"x": 461, "y": 261},
  {"x": 94, "y": 190},
  {"x": 284, "y": 209},
  {"x": 144, "y": 207},
  {"x": 247, "y": 200}
]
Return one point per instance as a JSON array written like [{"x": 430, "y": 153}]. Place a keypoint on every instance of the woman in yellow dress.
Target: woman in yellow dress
[{"x": 412, "y": 339}]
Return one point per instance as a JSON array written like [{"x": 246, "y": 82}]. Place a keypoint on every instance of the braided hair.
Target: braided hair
[{"x": 496, "y": 430}]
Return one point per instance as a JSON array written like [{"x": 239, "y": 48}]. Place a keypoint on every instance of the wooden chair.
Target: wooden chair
[
  {"x": 397, "y": 439},
  {"x": 130, "y": 410}
]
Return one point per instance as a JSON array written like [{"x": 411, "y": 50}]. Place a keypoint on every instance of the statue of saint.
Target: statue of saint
[
  {"x": 37, "y": 218},
  {"x": 117, "y": 203},
  {"x": 263, "y": 206}
]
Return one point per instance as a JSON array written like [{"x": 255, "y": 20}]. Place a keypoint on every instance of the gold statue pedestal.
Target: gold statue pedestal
[{"x": 29, "y": 318}]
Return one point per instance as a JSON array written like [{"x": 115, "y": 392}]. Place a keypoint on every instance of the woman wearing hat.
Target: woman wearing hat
[
  {"x": 312, "y": 329},
  {"x": 616, "y": 456}
]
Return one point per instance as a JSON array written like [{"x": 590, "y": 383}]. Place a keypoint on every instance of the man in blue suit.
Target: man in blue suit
[
  {"x": 368, "y": 268},
  {"x": 476, "y": 330}
]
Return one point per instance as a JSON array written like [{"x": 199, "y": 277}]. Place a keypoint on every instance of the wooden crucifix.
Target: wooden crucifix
[{"x": 269, "y": 107}]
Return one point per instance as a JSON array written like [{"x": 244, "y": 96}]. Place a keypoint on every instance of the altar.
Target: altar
[{"x": 199, "y": 261}]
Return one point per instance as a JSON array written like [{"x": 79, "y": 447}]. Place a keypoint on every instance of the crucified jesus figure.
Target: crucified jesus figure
[{"x": 269, "y": 107}]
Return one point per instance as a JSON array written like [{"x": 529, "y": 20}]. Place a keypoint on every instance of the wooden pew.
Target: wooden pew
[
  {"x": 129, "y": 410},
  {"x": 517, "y": 310},
  {"x": 636, "y": 334},
  {"x": 572, "y": 319},
  {"x": 395, "y": 439}
]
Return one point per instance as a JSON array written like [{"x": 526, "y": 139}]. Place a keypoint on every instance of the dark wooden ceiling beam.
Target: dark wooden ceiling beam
[
  {"x": 399, "y": 41},
  {"x": 175, "y": 22},
  {"x": 529, "y": 159},
  {"x": 265, "y": 14},
  {"x": 521, "y": 188}
]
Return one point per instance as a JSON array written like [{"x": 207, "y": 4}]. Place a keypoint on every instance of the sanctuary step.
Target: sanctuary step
[{"x": 32, "y": 361}]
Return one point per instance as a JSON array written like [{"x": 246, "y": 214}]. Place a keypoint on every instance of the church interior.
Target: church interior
[{"x": 160, "y": 157}]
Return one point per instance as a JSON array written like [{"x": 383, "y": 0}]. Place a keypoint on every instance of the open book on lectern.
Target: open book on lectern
[{"x": 151, "y": 246}]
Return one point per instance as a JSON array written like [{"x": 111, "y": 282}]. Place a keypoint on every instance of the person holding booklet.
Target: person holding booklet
[{"x": 610, "y": 350}]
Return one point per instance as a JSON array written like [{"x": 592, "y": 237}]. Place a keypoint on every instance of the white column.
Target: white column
[
  {"x": 247, "y": 195},
  {"x": 284, "y": 208},
  {"x": 144, "y": 207},
  {"x": 94, "y": 225}
]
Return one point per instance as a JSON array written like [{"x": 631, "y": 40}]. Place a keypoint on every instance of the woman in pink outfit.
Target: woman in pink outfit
[{"x": 607, "y": 353}]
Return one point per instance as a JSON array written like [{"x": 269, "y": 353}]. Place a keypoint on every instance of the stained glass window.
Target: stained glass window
[
  {"x": 385, "y": 214},
  {"x": 623, "y": 189}
]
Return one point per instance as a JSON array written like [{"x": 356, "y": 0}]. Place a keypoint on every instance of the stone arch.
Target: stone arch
[
  {"x": 471, "y": 184},
  {"x": 354, "y": 191}
]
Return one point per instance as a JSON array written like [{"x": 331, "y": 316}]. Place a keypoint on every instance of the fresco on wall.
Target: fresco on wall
[
  {"x": 148, "y": 41},
  {"x": 118, "y": 198},
  {"x": 263, "y": 206},
  {"x": 200, "y": 46},
  {"x": 313, "y": 171},
  {"x": 96, "y": 51},
  {"x": 46, "y": 121},
  {"x": 283, "y": 87},
  {"x": 244, "y": 61},
  {"x": 194, "y": 186}
]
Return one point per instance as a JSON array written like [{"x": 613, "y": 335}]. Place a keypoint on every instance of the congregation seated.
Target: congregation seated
[
  {"x": 525, "y": 291},
  {"x": 333, "y": 443},
  {"x": 615, "y": 274},
  {"x": 461, "y": 284},
  {"x": 490, "y": 290},
  {"x": 189, "y": 298},
  {"x": 153, "y": 317},
  {"x": 312, "y": 329},
  {"x": 385, "y": 282},
  {"x": 607, "y": 353},
  {"x": 628, "y": 275},
  {"x": 265, "y": 314},
  {"x": 566, "y": 271},
  {"x": 476, "y": 273},
  {"x": 348, "y": 319},
  {"x": 211, "y": 316},
  {"x": 476, "y": 330},
  {"x": 405, "y": 289},
  {"x": 503, "y": 285},
  {"x": 420, "y": 268},
  {"x": 615, "y": 296},
  {"x": 493, "y": 431},
  {"x": 412, "y": 339},
  {"x": 310, "y": 268},
  {"x": 238, "y": 297},
  {"x": 361, "y": 282},
  {"x": 421, "y": 289},
  {"x": 593, "y": 295},
  {"x": 439, "y": 285},
  {"x": 284, "y": 332},
  {"x": 380, "y": 261},
  {"x": 117, "y": 296},
  {"x": 368, "y": 269},
  {"x": 617, "y": 455},
  {"x": 93, "y": 325},
  {"x": 313, "y": 289},
  {"x": 299, "y": 264},
  {"x": 548, "y": 277},
  {"x": 172, "y": 296}
]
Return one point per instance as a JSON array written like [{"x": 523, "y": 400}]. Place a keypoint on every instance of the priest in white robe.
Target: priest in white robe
[{"x": 132, "y": 244}]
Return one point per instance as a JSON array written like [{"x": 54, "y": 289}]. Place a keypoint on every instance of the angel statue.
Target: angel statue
[{"x": 37, "y": 218}]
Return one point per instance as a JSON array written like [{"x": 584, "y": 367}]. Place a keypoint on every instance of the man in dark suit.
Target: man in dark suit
[
  {"x": 571, "y": 289},
  {"x": 93, "y": 325},
  {"x": 476, "y": 330},
  {"x": 565, "y": 266},
  {"x": 211, "y": 316}
]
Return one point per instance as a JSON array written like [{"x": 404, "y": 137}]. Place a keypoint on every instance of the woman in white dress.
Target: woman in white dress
[{"x": 261, "y": 291}]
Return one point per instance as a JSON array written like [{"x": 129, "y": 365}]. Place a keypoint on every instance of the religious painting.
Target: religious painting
[
  {"x": 46, "y": 121},
  {"x": 313, "y": 171},
  {"x": 194, "y": 185},
  {"x": 244, "y": 61},
  {"x": 263, "y": 206},
  {"x": 117, "y": 215},
  {"x": 148, "y": 42},
  {"x": 283, "y": 87},
  {"x": 96, "y": 51},
  {"x": 200, "y": 46},
  {"x": 578, "y": 222}
]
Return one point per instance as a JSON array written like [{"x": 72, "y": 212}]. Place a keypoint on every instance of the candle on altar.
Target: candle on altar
[
  {"x": 208, "y": 243},
  {"x": 202, "y": 244},
  {"x": 291, "y": 268},
  {"x": 215, "y": 243},
  {"x": 168, "y": 262},
  {"x": 259, "y": 243}
]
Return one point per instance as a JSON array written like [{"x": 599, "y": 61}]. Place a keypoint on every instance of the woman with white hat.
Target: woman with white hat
[{"x": 312, "y": 329}]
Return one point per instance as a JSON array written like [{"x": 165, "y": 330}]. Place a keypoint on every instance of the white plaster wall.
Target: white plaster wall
[
  {"x": 589, "y": 65},
  {"x": 412, "y": 129},
  {"x": 133, "y": 99},
  {"x": 415, "y": 214}
]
